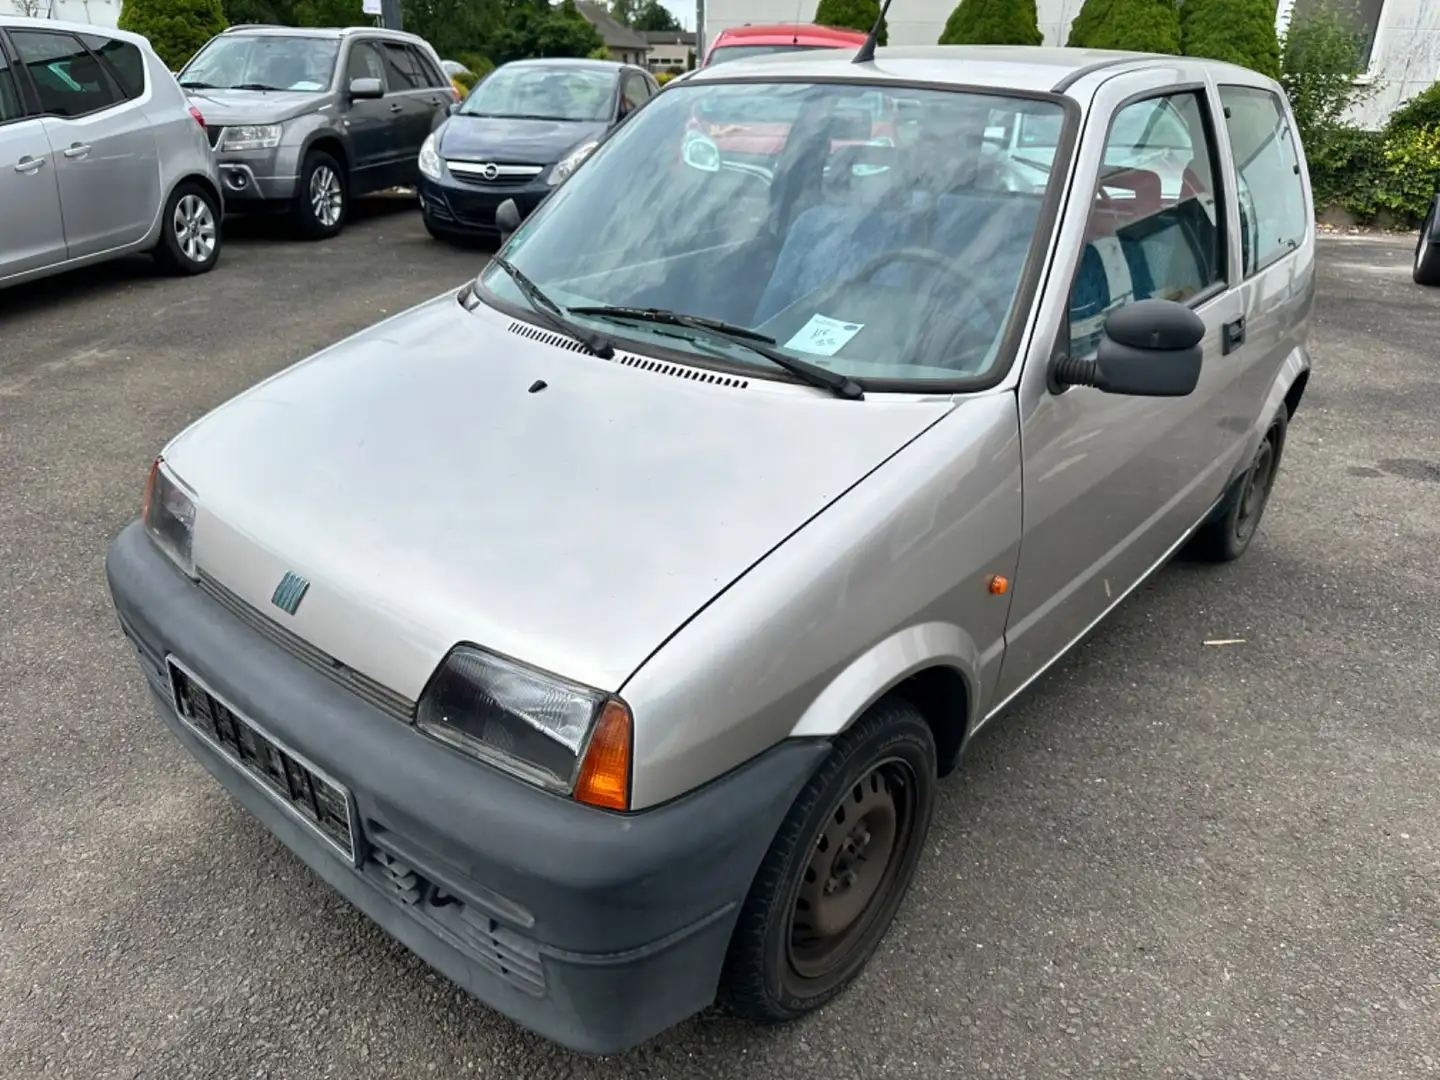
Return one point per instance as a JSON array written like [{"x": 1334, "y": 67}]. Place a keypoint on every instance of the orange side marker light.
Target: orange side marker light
[{"x": 999, "y": 585}]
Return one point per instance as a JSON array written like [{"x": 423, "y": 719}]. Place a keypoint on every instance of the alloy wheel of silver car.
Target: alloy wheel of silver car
[
  {"x": 195, "y": 228},
  {"x": 327, "y": 197}
]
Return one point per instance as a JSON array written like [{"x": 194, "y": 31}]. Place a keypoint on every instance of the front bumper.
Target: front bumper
[
  {"x": 250, "y": 178},
  {"x": 596, "y": 930},
  {"x": 468, "y": 209}
]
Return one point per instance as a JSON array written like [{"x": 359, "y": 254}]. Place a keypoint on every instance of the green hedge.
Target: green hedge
[
  {"x": 992, "y": 22},
  {"x": 1236, "y": 31},
  {"x": 1151, "y": 26}
]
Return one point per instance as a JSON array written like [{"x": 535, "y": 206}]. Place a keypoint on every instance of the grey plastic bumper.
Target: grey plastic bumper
[{"x": 596, "y": 930}]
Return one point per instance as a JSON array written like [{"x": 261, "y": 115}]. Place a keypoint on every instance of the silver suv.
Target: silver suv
[
  {"x": 303, "y": 120},
  {"x": 100, "y": 154}
]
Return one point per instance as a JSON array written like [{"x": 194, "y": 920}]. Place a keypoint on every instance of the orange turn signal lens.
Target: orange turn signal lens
[
  {"x": 999, "y": 585},
  {"x": 149, "y": 490},
  {"x": 605, "y": 773}
]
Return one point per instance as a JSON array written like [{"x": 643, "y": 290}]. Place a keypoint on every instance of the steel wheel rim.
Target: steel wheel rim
[
  {"x": 1257, "y": 488},
  {"x": 195, "y": 229},
  {"x": 853, "y": 868},
  {"x": 325, "y": 195}
]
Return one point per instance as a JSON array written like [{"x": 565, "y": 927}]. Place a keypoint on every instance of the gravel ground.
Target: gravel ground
[{"x": 1170, "y": 860}]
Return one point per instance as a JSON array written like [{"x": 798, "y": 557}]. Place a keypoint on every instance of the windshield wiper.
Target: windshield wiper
[
  {"x": 761, "y": 344},
  {"x": 552, "y": 312},
  {"x": 253, "y": 86},
  {"x": 190, "y": 84}
]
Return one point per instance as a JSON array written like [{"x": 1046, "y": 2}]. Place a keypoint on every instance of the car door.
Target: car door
[
  {"x": 32, "y": 232},
  {"x": 367, "y": 120},
  {"x": 1113, "y": 484},
  {"x": 437, "y": 94},
  {"x": 106, "y": 161},
  {"x": 411, "y": 105}
]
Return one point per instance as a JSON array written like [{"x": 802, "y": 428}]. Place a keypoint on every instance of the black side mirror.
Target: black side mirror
[
  {"x": 361, "y": 89},
  {"x": 1150, "y": 348},
  {"x": 453, "y": 108},
  {"x": 507, "y": 218}
]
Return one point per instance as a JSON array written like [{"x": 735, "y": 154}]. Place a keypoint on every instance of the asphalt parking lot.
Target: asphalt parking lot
[{"x": 1172, "y": 859}]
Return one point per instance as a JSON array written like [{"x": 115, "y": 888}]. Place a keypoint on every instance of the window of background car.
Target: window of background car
[
  {"x": 544, "y": 92},
  {"x": 804, "y": 212},
  {"x": 1155, "y": 224},
  {"x": 740, "y": 52},
  {"x": 69, "y": 79},
  {"x": 1273, "y": 220},
  {"x": 634, "y": 92},
  {"x": 432, "y": 77},
  {"x": 126, "y": 63},
  {"x": 365, "y": 62},
  {"x": 405, "y": 72},
  {"x": 10, "y": 108},
  {"x": 263, "y": 62}
]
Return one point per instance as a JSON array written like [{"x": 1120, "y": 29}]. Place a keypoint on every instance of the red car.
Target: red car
[{"x": 741, "y": 41}]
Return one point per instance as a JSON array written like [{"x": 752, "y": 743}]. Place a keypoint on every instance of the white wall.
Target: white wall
[{"x": 95, "y": 12}]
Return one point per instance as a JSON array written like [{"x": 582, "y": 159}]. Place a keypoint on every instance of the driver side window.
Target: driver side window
[
  {"x": 365, "y": 63},
  {"x": 1156, "y": 221}
]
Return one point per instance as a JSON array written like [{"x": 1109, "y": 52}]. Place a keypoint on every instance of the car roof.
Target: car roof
[
  {"x": 17, "y": 22},
  {"x": 327, "y": 32},
  {"x": 789, "y": 32},
  {"x": 568, "y": 62},
  {"x": 1027, "y": 68}
]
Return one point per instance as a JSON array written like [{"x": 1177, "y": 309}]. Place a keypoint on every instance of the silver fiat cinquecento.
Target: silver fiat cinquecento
[{"x": 602, "y": 629}]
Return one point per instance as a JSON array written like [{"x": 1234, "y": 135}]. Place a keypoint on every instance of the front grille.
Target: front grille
[
  {"x": 214, "y": 134},
  {"x": 476, "y": 210},
  {"x": 321, "y": 803},
  {"x": 395, "y": 705}
]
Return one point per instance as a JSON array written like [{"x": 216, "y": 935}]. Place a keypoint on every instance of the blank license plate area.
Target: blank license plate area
[{"x": 320, "y": 802}]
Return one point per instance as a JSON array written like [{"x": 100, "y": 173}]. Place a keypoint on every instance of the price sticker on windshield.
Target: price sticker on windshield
[{"x": 823, "y": 336}]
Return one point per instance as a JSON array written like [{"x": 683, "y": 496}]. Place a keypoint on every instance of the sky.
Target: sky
[{"x": 684, "y": 10}]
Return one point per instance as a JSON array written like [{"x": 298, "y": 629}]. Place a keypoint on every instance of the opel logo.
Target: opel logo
[{"x": 490, "y": 171}]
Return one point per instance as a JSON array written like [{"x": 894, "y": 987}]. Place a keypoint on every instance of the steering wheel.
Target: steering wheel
[{"x": 946, "y": 265}]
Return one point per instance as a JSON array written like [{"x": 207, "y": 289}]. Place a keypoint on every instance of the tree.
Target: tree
[
  {"x": 1319, "y": 59},
  {"x": 176, "y": 28},
  {"x": 655, "y": 17},
  {"x": 1236, "y": 31},
  {"x": 1151, "y": 26},
  {"x": 992, "y": 22},
  {"x": 851, "y": 15},
  {"x": 534, "y": 28},
  {"x": 624, "y": 11}
]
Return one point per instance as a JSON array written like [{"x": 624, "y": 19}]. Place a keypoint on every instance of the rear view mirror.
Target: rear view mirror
[
  {"x": 1150, "y": 348},
  {"x": 366, "y": 88}
]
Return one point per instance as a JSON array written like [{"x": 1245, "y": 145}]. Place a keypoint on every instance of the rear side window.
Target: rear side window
[
  {"x": 432, "y": 76},
  {"x": 1273, "y": 218},
  {"x": 10, "y": 107},
  {"x": 403, "y": 68},
  {"x": 1155, "y": 222},
  {"x": 69, "y": 80},
  {"x": 126, "y": 63}
]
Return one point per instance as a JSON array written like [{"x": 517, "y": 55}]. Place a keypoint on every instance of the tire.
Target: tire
[
  {"x": 1426, "y": 270},
  {"x": 780, "y": 964},
  {"x": 1228, "y": 533},
  {"x": 322, "y": 197},
  {"x": 190, "y": 234}
]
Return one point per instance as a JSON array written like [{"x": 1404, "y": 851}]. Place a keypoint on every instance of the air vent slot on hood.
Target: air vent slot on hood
[{"x": 644, "y": 363}]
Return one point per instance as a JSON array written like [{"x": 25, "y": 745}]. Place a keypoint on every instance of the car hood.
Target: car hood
[
  {"x": 223, "y": 108},
  {"x": 442, "y": 478},
  {"x": 493, "y": 138}
]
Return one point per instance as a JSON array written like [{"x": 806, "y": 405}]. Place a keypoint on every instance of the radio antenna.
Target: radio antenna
[{"x": 867, "y": 50}]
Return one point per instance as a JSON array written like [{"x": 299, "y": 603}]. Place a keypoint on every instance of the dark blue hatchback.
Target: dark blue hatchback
[{"x": 521, "y": 131}]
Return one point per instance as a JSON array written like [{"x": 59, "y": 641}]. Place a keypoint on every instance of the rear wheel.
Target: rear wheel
[
  {"x": 321, "y": 197},
  {"x": 837, "y": 870},
  {"x": 189, "y": 231},
  {"x": 1229, "y": 531},
  {"x": 1426, "y": 270}
]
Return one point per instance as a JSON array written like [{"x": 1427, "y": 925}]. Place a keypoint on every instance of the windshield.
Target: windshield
[
  {"x": 739, "y": 52},
  {"x": 543, "y": 93},
  {"x": 877, "y": 250},
  {"x": 263, "y": 62}
]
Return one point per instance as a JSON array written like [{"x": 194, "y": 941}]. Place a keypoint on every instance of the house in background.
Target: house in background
[
  {"x": 622, "y": 43},
  {"x": 669, "y": 49},
  {"x": 1402, "y": 37},
  {"x": 95, "y": 12}
]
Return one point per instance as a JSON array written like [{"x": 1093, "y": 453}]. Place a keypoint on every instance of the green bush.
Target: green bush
[
  {"x": 851, "y": 15},
  {"x": 1421, "y": 111},
  {"x": 1236, "y": 31},
  {"x": 478, "y": 64},
  {"x": 1151, "y": 26},
  {"x": 175, "y": 28},
  {"x": 466, "y": 80},
  {"x": 1410, "y": 170},
  {"x": 992, "y": 22}
]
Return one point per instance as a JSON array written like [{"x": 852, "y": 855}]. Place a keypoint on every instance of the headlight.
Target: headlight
[
  {"x": 563, "y": 736},
  {"x": 169, "y": 516},
  {"x": 429, "y": 158},
  {"x": 570, "y": 162},
  {"x": 251, "y": 137}
]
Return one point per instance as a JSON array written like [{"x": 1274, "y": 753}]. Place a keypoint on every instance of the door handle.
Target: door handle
[
  {"x": 397, "y": 107},
  {"x": 76, "y": 150},
  {"x": 1233, "y": 335},
  {"x": 29, "y": 164}
]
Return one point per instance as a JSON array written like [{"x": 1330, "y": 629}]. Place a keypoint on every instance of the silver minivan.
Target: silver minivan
[
  {"x": 603, "y": 629},
  {"x": 101, "y": 155}
]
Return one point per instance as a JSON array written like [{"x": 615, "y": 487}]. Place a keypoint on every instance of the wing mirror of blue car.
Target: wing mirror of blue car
[
  {"x": 1149, "y": 348},
  {"x": 361, "y": 89},
  {"x": 453, "y": 108},
  {"x": 507, "y": 218}
]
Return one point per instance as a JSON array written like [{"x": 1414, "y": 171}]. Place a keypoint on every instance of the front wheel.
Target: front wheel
[
  {"x": 321, "y": 197},
  {"x": 837, "y": 870},
  {"x": 189, "y": 231}
]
